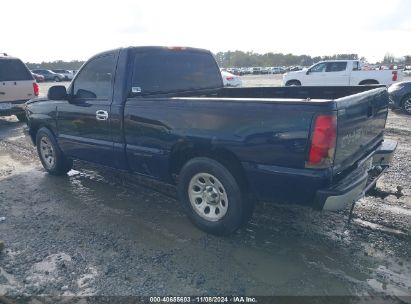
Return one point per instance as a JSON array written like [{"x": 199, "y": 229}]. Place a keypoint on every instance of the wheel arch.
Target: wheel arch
[
  {"x": 292, "y": 81},
  {"x": 368, "y": 81},
  {"x": 36, "y": 127},
  {"x": 181, "y": 153}
]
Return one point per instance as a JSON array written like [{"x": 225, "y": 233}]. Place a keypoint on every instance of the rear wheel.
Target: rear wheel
[
  {"x": 212, "y": 197},
  {"x": 52, "y": 158},
  {"x": 21, "y": 117},
  {"x": 293, "y": 83},
  {"x": 406, "y": 104}
]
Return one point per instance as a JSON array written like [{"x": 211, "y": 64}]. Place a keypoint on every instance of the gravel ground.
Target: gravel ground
[{"x": 97, "y": 233}]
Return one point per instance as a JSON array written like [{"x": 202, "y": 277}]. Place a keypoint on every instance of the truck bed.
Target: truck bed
[{"x": 272, "y": 127}]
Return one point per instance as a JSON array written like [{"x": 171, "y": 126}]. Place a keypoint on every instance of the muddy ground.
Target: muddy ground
[{"x": 94, "y": 233}]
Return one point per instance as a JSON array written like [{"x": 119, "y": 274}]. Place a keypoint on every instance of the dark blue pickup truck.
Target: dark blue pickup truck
[{"x": 164, "y": 113}]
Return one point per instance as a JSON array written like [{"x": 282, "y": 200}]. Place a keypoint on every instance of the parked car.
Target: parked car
[
  {"x": 265, "y": 71},
  {"x": 246, "y": 71},
  {"x": 17, "y": 85},
  {"x": 407, "y": 70},
  {"x": 49, "y": 75},
  {"x": 222, "y": 147},
  {"x": 295, "y": 68},
  {"x": 256, "y": 70},
  {"x": 339, "y": 73},
  {"x": 231, "y": 80},
  {"x": 68, "y": 75},
  {"x": 38, "y": 77},
  {"x": 276, "y": 70},
  {"x": 400, "y": 96}
]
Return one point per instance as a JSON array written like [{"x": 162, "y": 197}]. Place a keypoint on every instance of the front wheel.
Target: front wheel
[
  {"x": 406, "y": 104},
  {"x": 211, "y": 196},
  {"x": 51, "y": 157}
]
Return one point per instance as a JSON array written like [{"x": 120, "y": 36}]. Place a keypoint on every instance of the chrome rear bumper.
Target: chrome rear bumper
[{"x": 356, "y": 184}]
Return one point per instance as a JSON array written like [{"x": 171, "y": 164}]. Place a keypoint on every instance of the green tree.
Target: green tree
[
  {"x": 388, "y": 58},
  {"x": 58, "y": 64}
]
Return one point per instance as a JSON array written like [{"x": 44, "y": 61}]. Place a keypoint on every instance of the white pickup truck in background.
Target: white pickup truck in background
[{"x": 340, "y": 73}]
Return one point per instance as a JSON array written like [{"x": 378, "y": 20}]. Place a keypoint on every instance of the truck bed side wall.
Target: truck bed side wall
[{"x": 155, "y": 128}]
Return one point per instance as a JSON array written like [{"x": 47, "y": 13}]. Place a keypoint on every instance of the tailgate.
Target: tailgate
[
  {"x": 360, "y": 125},
  {"x": 16, "y": 90}
]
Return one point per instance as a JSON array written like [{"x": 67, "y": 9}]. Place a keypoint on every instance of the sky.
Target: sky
[{"x": 48, "y": 30}]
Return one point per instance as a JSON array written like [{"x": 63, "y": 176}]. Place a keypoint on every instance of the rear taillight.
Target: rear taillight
[
  {"x": 36, "y": 89},
  {"x": 394, "y": 75},
  {"x": 323, "y": 142},
  {"x": 229, "y": 78}
]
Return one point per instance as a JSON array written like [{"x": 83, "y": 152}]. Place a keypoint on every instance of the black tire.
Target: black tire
[
  {"x": 239, "y": 208},
  {"x": 56, "y": 79},
  {"x": 21, "y": 117},
  {"x": 406, "y": 104},
  {"x": 60, "y": 164},
  {"x": 294, "y": 83}
]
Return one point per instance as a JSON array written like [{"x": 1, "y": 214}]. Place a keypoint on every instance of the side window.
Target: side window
[
  {"x": 166, "y": 71},
  {"x": 318, "y": 68},
  {"x": 95, "y": 79},
  {"x": 337, "y": 66}
]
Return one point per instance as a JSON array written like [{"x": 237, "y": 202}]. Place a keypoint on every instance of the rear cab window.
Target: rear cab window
[
  {"x": 14, "y": 70},
  {"x": 167, "y": 71}
]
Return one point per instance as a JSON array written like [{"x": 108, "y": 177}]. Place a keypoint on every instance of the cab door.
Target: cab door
[
  {"x": 84, "y": 121},
  {"x": 337, "y": 73},
  {"x": 316, "y": 75}
]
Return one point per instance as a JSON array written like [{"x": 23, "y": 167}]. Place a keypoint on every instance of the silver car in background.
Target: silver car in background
[{"x": 68, "y": 75}]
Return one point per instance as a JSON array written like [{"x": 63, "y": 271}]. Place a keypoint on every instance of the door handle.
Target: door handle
[{"x": 101, "y": 115}]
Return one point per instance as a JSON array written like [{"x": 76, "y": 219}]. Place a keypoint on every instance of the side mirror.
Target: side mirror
[{"x": 57, "y": 93}]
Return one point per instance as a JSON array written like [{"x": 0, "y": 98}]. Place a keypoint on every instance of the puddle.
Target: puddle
[
  {"x": 15, "y": 138},
  {"x": 9, "y": 166}
]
